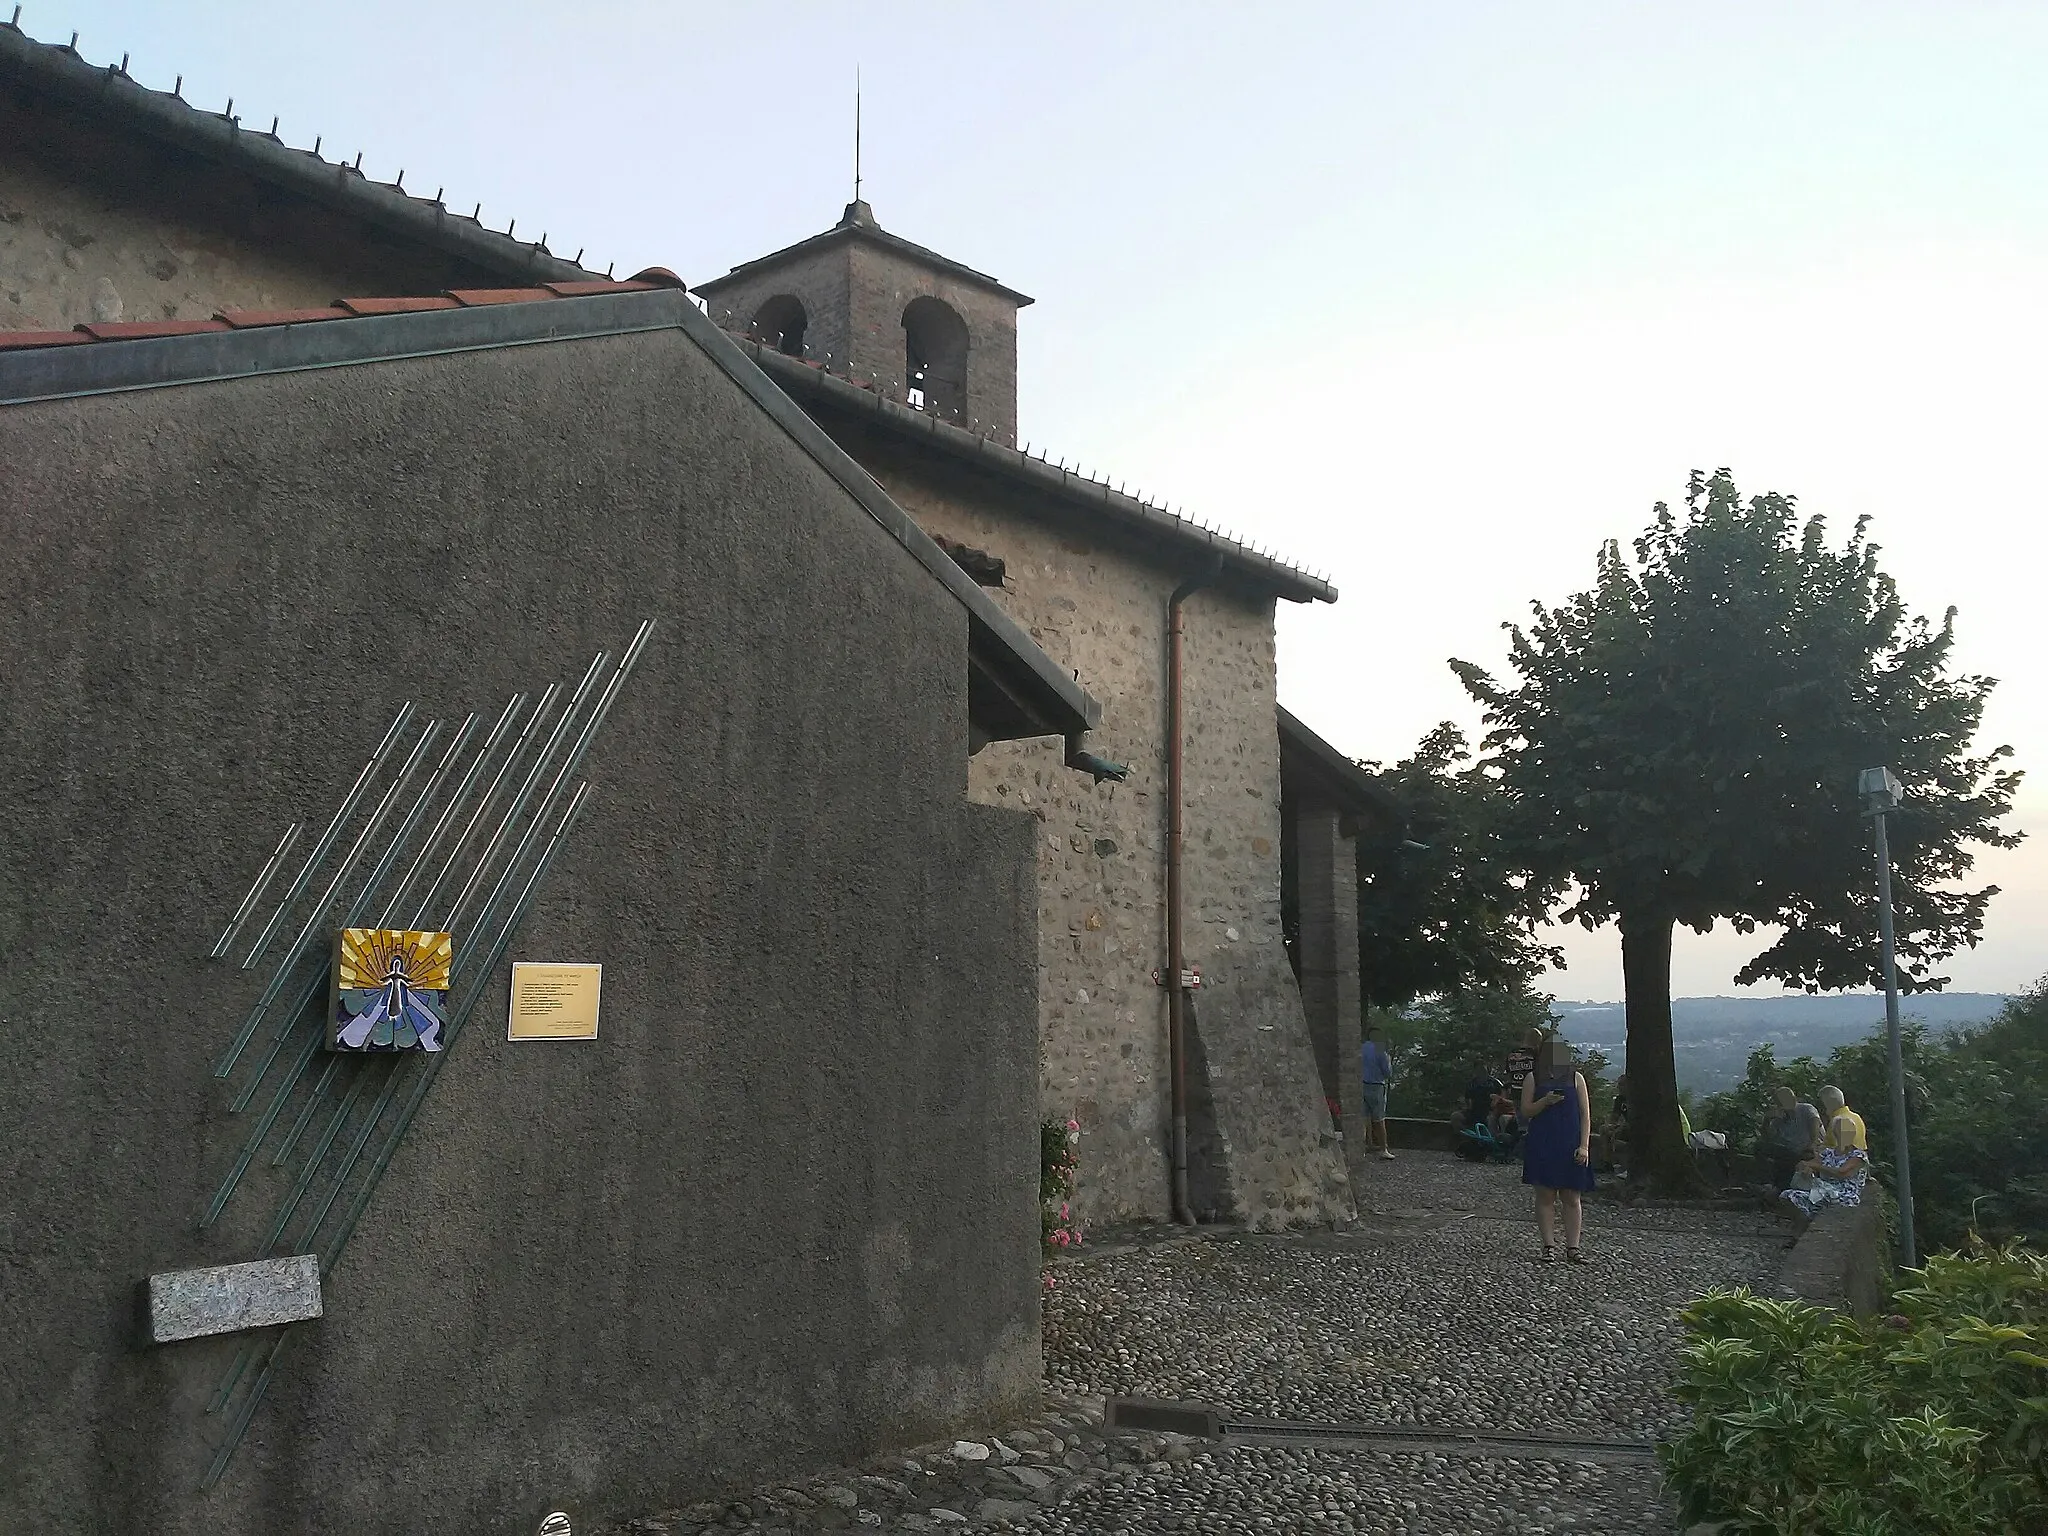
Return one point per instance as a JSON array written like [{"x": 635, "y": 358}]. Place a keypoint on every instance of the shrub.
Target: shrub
[
  {"x": 1058, "y": 1144},
  {"x": 1933, "y": 1420}
]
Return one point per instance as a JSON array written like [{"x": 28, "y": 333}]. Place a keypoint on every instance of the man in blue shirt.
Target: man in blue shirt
[{"x": 1379, "y": 1074}]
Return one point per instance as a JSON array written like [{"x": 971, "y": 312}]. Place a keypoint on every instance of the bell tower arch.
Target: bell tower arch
[{"x": 868, "y": 304}]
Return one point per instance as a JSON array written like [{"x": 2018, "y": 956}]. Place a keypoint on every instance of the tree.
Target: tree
[
  {"x": 1683, "y": 743},
  {"x": 1443, "y": 1043},
  {"x": 1441, "y": 907}
]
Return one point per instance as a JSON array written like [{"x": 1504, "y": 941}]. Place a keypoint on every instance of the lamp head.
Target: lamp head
[{"x": 1880, "y": 789}]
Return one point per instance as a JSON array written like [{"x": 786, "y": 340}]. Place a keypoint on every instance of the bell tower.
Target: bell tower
[{"x": 870, "y": 305}]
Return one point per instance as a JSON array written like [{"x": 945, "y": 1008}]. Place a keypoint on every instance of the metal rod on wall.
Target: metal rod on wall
[
  {"x": 320, "y": 849},
  {"x": 263, "y": 879},
  {"x": 540, "y": 710}
]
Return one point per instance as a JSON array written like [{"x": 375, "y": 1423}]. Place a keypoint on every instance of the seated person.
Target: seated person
[
  {"x": 1839, "y": 1169},
  {"x": 1503, "y": 1115},
  {"x": 1792, "y": 1134},
  {"x": 1477, "y": 1108},
  {"x": 1475, "y": 1120}
]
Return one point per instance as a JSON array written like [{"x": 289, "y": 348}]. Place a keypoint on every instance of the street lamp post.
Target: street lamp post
[{"x": 1881, "y": 792}]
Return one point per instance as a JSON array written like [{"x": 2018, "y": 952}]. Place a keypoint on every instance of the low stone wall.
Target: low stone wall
[
  {"x": 1422, "y": 1135},
  {"x": 1843, "y": 1259}
]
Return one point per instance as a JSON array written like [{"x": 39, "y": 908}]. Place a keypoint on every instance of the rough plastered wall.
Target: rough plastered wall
[
  {"x": 1259, "y": 1151},
  {"x": 780, "y": 1215}
]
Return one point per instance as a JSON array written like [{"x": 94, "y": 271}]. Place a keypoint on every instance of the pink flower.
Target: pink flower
[
  {"x": 1064, "y": 1212},
  {"x": 1073, "y": 1125}
]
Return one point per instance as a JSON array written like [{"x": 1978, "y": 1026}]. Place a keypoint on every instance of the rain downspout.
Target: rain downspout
[{"x": 1176, "y": 952}]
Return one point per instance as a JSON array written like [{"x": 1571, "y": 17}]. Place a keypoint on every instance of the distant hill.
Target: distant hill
[{"x": 1713, "y": 1036}]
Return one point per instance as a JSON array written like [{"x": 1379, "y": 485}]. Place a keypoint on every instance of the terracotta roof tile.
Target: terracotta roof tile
[
  {"x": 395, "y": 306},
  {"x": 135, "y": 330},
  {"x": 599, "y": 285},
  {"x": 11, "y": 340},
  {"x": 468, "y": 297},
  {"x": 249, "y": 319},
  {"x": 340, "y": 309}
]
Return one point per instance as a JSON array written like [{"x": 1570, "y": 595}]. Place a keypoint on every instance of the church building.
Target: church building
[{"x": 908, "y": 360}]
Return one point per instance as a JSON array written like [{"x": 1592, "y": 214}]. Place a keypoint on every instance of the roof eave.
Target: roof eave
[
  {"x": 167, "y": 117},
  {"x": 1337, "y": 779},
  {"x": 840, "y": 233},
  {"x": 1046, "y": 701},
  {"x": 1245, "y": 564}
]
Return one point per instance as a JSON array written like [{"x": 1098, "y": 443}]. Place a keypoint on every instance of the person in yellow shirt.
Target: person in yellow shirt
[
  {"x": 1845, "y": 1131},
  {"x": 1843, "y": 1162}
]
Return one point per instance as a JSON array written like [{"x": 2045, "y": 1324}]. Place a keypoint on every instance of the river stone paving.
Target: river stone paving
[
  {"x": 1424, "y": 1312},
  {"x": 1429, "y": 1312}
]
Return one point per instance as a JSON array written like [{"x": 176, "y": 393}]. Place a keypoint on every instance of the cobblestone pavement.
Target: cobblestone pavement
[{"x": 1430, "y": 1312}]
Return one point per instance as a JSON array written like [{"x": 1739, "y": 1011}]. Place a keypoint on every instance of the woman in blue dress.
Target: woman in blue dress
[{"x": 1557, "y": 1157}]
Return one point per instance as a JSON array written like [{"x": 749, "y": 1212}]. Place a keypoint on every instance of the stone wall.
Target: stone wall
[
  {"x": 780, "y": 1215},
  {"x": 816, "y": 279},
  {"x": 883, "y": 284},
  {"x": 1843, "y": 1258},
  {"x": 1097, "y": 604},
  {"x": 854, "y": 292},
  {"x": 94, "y": 229}
]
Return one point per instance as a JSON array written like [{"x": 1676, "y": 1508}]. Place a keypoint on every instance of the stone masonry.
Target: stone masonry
[
  {"x": 1095, "y": 600},
  {"x": 1102, "y": 924},
  {"x": 119, "y": 226},
  {"x": 121, "y": 204},
  {"x": 855, "y": 282},
  {"x": 73, "y": 253}
]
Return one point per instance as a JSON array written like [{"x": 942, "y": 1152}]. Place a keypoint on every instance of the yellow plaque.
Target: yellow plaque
[{"x": 554, "y": 1002}]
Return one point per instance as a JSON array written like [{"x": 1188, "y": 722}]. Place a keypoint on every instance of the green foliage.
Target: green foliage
[
  {"x": 1453, "y": 912},
  {"x": 1929, "y": 1422},
  {"x": 1058, "y": 1158},
  {"x": 1444, "y": 1042},
  {"x": 1976, "y": 1109},
  {"x": 1683, "y": 744}
]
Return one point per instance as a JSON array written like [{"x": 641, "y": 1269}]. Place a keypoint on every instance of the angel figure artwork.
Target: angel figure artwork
[{"x": 390, "y": 990}]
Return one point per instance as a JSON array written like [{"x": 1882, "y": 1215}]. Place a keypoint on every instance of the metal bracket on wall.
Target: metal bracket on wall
[{"x": 380, "y": 1093}]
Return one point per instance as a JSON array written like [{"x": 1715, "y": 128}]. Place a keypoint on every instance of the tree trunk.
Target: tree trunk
[{"x": 1657, "y": 1153}]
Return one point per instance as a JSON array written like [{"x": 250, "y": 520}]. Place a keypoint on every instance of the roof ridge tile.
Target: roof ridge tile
[
  {"x": 11, "y": 341},
  {"x": 250, "y": 319},
  {"x": 341, "y": 309},
  {"x": 135, "y": 330},
  {"x": 396, "y": 306}
]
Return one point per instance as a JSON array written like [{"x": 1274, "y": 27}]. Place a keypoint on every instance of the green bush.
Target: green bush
[{"x": 1931, "y": 1421}]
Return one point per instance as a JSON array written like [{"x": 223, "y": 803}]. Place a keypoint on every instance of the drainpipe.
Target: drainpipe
[{"x": 1176, "y": 953}]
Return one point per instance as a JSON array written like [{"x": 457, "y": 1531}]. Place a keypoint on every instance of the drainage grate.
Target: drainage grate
[
  {"x": 1204, "y": 1422},
  {"x": 1472, "y": 1442},
  {"x": 1149, "y": 1413}
]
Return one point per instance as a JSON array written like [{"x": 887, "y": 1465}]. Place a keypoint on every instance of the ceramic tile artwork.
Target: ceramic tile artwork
[{"x": 390, "y": 990}]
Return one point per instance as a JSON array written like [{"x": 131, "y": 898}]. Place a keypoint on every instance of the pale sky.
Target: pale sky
[{"x": 1433, "y": 298}]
